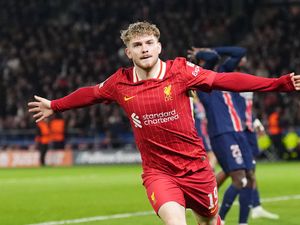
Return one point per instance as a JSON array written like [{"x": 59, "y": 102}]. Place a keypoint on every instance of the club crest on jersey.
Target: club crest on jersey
[{"x": 168, "y": 93}]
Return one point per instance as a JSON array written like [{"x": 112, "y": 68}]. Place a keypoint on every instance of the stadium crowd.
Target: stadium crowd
[{"x": 53, "y": 47}]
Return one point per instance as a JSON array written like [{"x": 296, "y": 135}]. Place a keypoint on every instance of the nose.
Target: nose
[{"x": 145, "y": 48}]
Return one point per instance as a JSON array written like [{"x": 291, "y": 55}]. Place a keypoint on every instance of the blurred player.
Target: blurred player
[
  {"x": 244, "y": 102},
  {"x": 234, "y": 57},
  {"x": 57, "y": 129},
  {"x": 226, "y": 133},
  {"x": 201, "y": 127},
  {"x": 251, "y": 126},
  {"x": 42, "y": 139},
  {"x": 154, "y": 95}
]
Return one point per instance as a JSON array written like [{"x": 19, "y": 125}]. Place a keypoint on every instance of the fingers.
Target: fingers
[
  {"x": 41, "y": 108},
  {"x": 296, "y": 77},
  {"x": 36, "y": 115},
  {"x": 35, "y": 109},
  {"x": 40, "y": 119},
  {"x": 297, "y": 87},
  {"x": 191, "y": 52},
  {"x": 34, "y": 104},
  {"x": 296, "y": 81},
  {"x": 38, "y": 98},
  {"x": 42, "y": 100}
]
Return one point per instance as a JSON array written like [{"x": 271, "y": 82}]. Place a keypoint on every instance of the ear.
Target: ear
[
  {"x": 159, "y": 47},
  {"x": 128, "y": 53}
]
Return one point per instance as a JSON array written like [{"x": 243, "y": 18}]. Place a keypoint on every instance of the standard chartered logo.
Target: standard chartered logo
[
  {"x": 155, "y": 118},
  {"x": 136, "y": 120}
]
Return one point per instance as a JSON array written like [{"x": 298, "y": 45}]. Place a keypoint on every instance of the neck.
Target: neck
[{"x": 148, "y": 74}]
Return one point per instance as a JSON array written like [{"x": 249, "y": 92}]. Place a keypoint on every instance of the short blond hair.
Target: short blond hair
[{"x": 139, "y": 29}]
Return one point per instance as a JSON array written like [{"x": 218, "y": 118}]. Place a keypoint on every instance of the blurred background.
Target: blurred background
[{"x": 50, "y": 48}]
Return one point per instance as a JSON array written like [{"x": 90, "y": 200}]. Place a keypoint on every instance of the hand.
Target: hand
[
  {"x": 258, "y": 127},
  {"x": 191, "y": 53},
  {"x": 41, "y": 108},
  {"x": 296, "y": 81}
]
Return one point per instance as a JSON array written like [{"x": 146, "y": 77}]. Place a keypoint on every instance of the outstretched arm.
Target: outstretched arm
[
  {"x": 82, "y": 97},
  {"x": 85, "y": 96},
  {"x": 240, "y": 82},
  {"x": 43, "y": 108}
]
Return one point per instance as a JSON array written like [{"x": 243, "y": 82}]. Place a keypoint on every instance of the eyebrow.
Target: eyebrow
[{"x": 139, "y": 42}]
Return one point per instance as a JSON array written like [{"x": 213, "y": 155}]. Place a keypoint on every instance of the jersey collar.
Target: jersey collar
[{"x": 158, "y": 74}]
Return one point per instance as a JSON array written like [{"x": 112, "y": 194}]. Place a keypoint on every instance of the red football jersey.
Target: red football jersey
[
  {"x": 160, "y": 113},
  {"x": 160, "y": 108}
]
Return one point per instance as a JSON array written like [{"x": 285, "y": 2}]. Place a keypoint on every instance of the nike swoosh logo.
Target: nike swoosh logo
[{"x": 128, "y": 98}]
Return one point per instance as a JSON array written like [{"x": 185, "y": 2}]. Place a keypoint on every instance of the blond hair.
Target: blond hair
[{"x": 139, "y": 29}]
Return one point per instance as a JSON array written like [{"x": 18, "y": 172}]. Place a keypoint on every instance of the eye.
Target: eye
[
  {"x": 150, "y": 42},
  {"x": 136, "y": 45}
]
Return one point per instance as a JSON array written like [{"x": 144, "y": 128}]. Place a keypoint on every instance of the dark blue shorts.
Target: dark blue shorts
[
  {"x": 252, "y": 139},
  {"x": 233, "y": 151}
]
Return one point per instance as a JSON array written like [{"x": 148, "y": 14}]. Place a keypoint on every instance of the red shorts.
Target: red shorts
[{"x": 196, "y": 190}]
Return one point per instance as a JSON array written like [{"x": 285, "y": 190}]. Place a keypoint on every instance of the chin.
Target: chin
[
  {"x": 150, "y": 63},
  {"x": 146, "y": 66}
]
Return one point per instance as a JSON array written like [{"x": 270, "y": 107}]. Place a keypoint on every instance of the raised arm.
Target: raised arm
[
  {"x": 209, "y": 56},
  {"x": 234, "y": 56}
]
